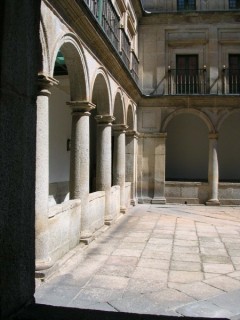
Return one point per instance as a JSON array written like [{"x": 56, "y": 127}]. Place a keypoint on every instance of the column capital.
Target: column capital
[
  {"x": 213, "y": 136},
  {"x": 120, "y": 127},
  {"x": 105, "y": 119},
  {"x": 83, "y": 107},
  {"x": 44, "y": 83},
  {"x": 132, "y": 133}
]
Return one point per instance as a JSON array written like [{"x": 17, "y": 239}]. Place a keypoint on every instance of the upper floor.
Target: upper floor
[{"x": 190, "y": 5}]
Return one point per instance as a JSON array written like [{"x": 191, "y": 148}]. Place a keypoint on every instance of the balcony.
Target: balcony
[
  {"x": 230, "y": 81},
  {"x": 187, "y": 81},
  {"x": 107, "y": 17}
]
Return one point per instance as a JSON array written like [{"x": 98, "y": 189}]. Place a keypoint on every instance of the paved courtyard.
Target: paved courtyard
[{"x": 170, "y": 260}]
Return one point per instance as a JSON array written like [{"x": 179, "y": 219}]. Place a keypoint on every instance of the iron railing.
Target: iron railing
[
  {"x": 110, "y": 23},
  {"x": 125, "y": 48},
  {"x": 230, "y": 81},
  {"x": 107, "y": 17},
  {"x": 187, "y": 81},
  {"x": 134, "y": 69}
]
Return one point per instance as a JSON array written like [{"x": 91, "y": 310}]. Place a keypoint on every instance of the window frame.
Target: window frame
[{"x": 186, "y": 5}]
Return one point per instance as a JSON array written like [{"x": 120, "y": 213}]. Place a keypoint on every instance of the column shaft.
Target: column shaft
[
  {"x": 43, "y": 260},
  {"x": 104, "y": 161},
  {"x": 213, "y": 175},
  {"x": 79, "y": 169},
  {"x": 131, "y": 163},
  {"x": 119, "y": 162}
]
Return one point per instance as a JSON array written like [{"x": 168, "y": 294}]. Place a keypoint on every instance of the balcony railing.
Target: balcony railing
[
  {"x": 107, "y": 17},
  {"x": 187, "y": 81},
  {"x": 110, "y": 23},
  {"x": 134, "y": 69},
  {"x": 230, "y": 81},
  {"x": 93, "y": 6},
  {"x": 125, "y": 48}
]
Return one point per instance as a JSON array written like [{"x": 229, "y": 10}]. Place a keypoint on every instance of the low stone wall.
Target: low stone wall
[
  {"x": 96, "y": 210},
  {"x": 115, "y": 201},
  {"x": 229, "y": 193},
  {"x": 127, "y": 194},
  {"x": 198, "y": 192},
  {"x": 64, "y": 228}
]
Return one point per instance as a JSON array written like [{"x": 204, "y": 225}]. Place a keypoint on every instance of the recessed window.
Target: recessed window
[
  {"x": 185, "y": 5},
  {"x": 234, "y": 4},
  {"x": 234, "y": 73},
  {"x": 187, "y": 78},
  {"x": 60, "y": 68}
]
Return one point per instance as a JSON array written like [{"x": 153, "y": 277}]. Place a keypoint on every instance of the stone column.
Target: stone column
[
  {"x": 119, "y": 162},
  {"x": 131, "y": 163},
  {"x": 79, "y": 168},
  {"x": 213, "y": 170},
  {"x": 104, "y": 161},
  {"x": 43, "y": 260},
  {"x": 159, "y": 168}
]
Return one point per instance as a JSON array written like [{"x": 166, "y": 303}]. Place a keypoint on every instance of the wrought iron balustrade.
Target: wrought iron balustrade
[
  {"x": 230, "y": 81},
  {"x": 187, "y": 81},
  {"x": 111, "y": 23},
  {"x": 134, "y": 69},
  {"x": 125, "y": 48},
  {"x": 93, "y": 6}
]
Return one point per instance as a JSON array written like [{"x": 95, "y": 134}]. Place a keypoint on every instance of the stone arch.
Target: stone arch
[
  {"x": 76, "y": 66},
  {"x": 195, "y": 112},
  {"x": 44, "y": 58},
  {"x": 101, "y": 93},
  {"x": 228, "y": 147},
  {"x": 130, "y": 117},
  {"x": 119, "y": 108},
  {"x": 224, "y": 117}
]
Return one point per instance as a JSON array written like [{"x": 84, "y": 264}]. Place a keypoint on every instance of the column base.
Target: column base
[
  {"x": 213, "y": 202},
  {"x": 43, "y": 264},
  {"x": 134, "y": 202},
  {"x": 158, "y": 200},
  {"x": 86, "y": 237},
  {"x": 123, "y": 210},
  {"x": 108, "y": 221}
]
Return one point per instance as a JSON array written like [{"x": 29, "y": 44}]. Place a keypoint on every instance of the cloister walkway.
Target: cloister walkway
[{"x": 171, "y": 260}]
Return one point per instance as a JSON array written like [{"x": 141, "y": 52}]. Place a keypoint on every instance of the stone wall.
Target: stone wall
[{"x": 19, "y": 42}]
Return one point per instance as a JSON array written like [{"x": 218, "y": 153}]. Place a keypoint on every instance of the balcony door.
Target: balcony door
[
  {"x": 187, "y": 81},
  {"x": 234, "y": 73}
]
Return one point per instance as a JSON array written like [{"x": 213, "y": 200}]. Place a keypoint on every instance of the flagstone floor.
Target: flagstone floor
[{"x": 175, "y": 260}]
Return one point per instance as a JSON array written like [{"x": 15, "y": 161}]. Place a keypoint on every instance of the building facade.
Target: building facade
[{"x": 137, "y": 102}]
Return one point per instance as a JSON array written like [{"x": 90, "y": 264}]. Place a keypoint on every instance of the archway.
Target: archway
[
  {"x": 70, "y": 73},
  {"x": 101, "y": 98},
  {"x": 229, "y": 148},
  {"x": 187, "y": 149}
]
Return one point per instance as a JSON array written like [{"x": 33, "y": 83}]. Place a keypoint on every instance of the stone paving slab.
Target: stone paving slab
[{"x": 170, "y": 260}]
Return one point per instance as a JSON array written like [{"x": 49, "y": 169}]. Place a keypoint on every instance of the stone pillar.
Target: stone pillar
[
  {"x": 119, "y": 162},
  {"x": 43, "y": 260},
  {"x": 104, "y": 161},
  {"x": 213, "y": 171},
  {"x": 79, "y": 168},
  {"x": 131, "y": 163},
  {"x": 159, "y": 168}
]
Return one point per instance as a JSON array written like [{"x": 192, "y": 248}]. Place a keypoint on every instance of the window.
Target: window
[
  {"x": 187, "y": 79},
  {"x": 183, "y": 5},
  {"x": 234, "y": 73},
  {"x": 234, "y": 4}
]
